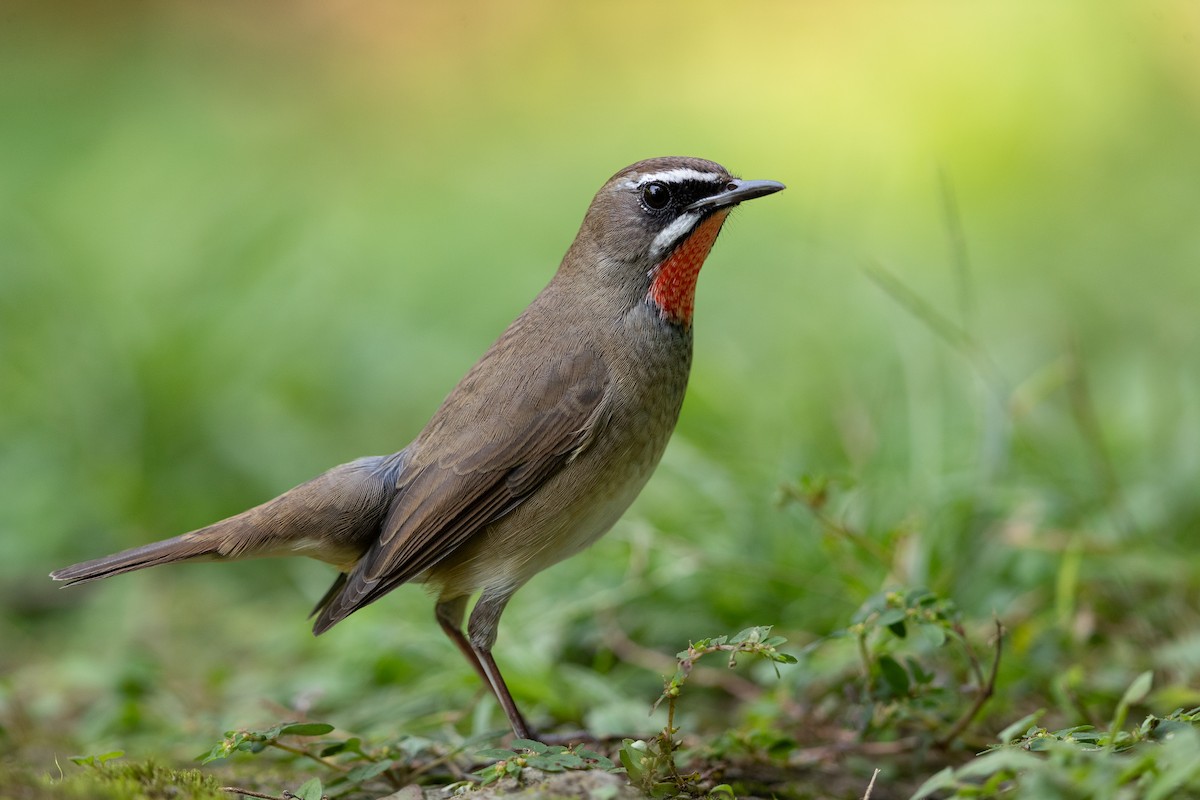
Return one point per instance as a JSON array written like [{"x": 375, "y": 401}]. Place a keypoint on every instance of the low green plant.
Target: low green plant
[
  {"x": 897, "y": 633},
  {"x": 1153, "y": 761},
  {"x": 255, "y": 741},
  {"x": 350, "y": 763},
  {"x": 653, "y": 764},
  {"x": 547, "y": 758}
]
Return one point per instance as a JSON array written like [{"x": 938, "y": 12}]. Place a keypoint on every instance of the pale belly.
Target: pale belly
[{"x": 566, "y": 516}]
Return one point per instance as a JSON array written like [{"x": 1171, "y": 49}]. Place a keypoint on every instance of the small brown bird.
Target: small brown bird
[{"x": 536, "y": 452}]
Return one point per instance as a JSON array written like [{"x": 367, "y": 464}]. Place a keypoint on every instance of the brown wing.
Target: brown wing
[{"x": 493, "y": 443}]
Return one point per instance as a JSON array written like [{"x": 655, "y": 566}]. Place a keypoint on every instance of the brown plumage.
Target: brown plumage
[{"x": 538, "y": 450}]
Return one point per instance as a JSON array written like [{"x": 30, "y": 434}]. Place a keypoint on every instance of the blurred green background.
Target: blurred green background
[{"x": 243, "y": 242}]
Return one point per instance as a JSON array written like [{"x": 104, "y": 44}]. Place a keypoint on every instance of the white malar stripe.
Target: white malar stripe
[
  {"x": 679, "y": 175},
  {"x": 670, "y": 234}
]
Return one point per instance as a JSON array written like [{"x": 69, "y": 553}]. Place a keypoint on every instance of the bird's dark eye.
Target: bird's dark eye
[{"x": 656, "y": 196}]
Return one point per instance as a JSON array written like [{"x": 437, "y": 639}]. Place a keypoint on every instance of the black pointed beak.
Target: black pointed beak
[{"x": 736, "y": 191}]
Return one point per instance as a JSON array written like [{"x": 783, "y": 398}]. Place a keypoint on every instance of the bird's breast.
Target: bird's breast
[{"x": 648, "y": 377}]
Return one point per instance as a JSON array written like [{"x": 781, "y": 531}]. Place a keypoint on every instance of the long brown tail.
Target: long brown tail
[
  {"x": 181, "y": 548},
  {"x": 334, "y": 517}
]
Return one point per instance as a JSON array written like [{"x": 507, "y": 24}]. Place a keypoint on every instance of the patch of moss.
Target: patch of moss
[{"x": 136, "y": 781}]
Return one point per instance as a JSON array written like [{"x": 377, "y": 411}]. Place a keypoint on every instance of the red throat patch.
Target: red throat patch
[{"x": 674, "y": 286}]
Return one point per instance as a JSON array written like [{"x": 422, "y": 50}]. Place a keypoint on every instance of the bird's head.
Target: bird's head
[{"x": 651, "y": 226}]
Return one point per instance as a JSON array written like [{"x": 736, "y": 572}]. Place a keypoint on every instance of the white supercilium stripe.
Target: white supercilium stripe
[
  {"x": 670, "y": 234},
  {"x": 678, "y": 175}
]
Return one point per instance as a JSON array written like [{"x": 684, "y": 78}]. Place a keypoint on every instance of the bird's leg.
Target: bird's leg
[
  {"x": 496, "y": 681},
  {"x": 481, "y": 630},
  {"x": 449, "y": 615}
]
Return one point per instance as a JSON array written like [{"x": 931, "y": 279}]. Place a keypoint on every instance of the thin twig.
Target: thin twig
[
  {"x": 973, "y": 659},
  {"x": 668, "y": 742},
  {"x": 299, "y": 751},
  {"x": 985, "y": 693},
  {"x": 871, "y": 785},
  {"x": 248, "y": 793}
]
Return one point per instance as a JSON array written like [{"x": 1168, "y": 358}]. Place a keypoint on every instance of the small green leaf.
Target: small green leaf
[
  {"x": 557, "y": 762},
  {"x": 351, "y": 745},
  {"x": 895, "y": 676},
  {"x": 631, "y": 755},
  {"x": 311, "y": 789},
  {"x": 528, "y": 744},
  {"x": 546, "y": 763},
  {"x": 935, "y": 634},
  {"x": 664, "y": 789},
  {"x": 364, "y": 772},
  {"x": 749, "y": 634},
  {"x": 303, "y": 729},
  {"x": 1008, "y": 761},
  {"x": 602, "y": 762},
  {"x": 496, "y": 754},
  {"x": 218, "y": 752},
  {"x": 489, "y": 774},
  {"x": 1022, "y": 725},
  {"x": 918, "y": 673},
  {"x": 938, "y": 782},
  {"x": 1138, "y": 690}
]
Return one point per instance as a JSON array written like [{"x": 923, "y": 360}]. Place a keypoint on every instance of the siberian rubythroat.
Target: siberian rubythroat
[{"x": 538, "y": 450}]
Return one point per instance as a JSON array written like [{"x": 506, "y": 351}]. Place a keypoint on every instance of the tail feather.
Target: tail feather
[
  {"x": 331, "y": 593},
  {"x": 334, "y": 518},
  {"x": 181, "y": 548}
]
